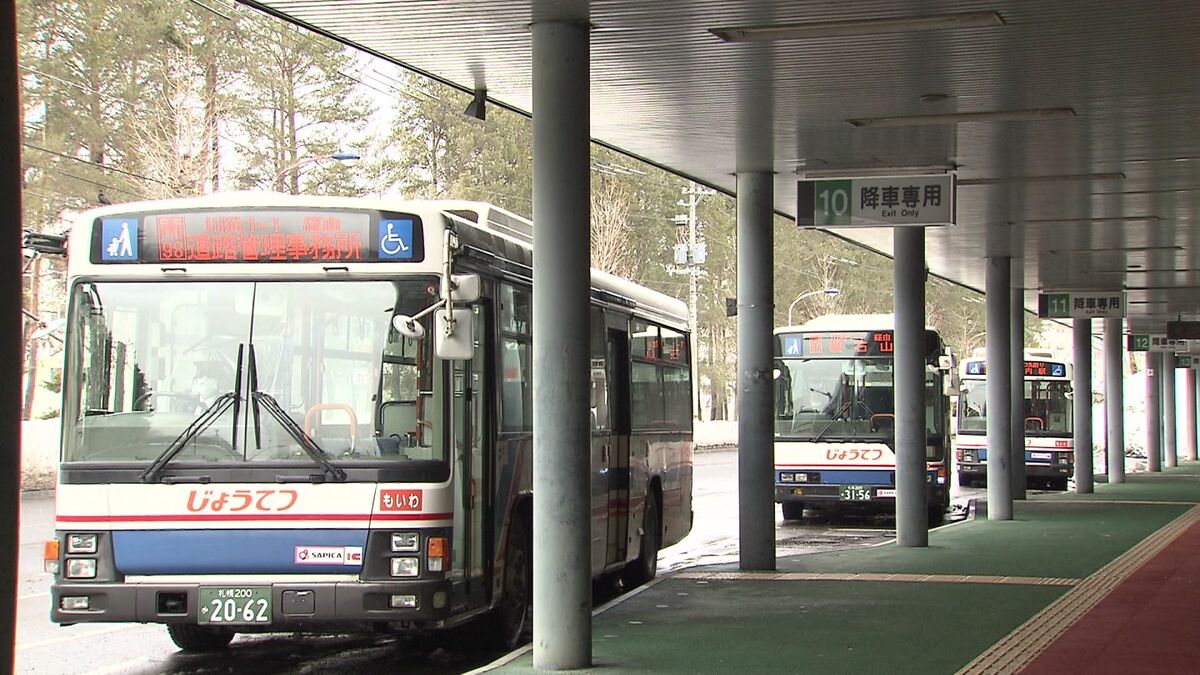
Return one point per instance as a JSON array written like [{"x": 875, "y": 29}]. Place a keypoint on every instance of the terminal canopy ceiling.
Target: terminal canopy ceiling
[{"x": 1073, "y": 126}]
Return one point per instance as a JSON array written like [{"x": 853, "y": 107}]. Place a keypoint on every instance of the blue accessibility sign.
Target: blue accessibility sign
[{"x": 396, "y": 239}]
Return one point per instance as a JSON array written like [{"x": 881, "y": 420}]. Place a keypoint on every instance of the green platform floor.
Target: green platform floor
[{"x": 686, "y": 625}]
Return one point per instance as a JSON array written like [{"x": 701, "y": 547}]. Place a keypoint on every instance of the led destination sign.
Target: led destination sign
[
  {"x": 1032, "y": 368},
  {"x": 255, "y": 236},
  {"x": 838, "y": 345}
]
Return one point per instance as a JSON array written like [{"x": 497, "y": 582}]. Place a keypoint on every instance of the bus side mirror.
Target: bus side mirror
[
  {"x": 945, "y": 362},
  {"x": 454, "y": 336},
  {"x": 461, "y": 287}
]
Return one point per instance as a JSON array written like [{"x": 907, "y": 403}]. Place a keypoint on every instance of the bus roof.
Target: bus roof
[{"x": 846, "y": 322}]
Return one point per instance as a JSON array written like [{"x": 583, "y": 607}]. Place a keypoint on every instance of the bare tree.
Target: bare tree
[{"x": 610, "y": 234}]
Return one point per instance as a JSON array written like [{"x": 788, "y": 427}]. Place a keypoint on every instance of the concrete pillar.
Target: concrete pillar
[
  {"x": 912, "y": 516},
  {"x": 1189, "y": 393},
  {"x": 11, "y": 343},
  {"x": 1017, "y": 384},
  {"x": 562, "y": 579},
  {"x": 1114, "y": 399},
  {"x": 756, "y": 431},
  {"x": 1170, "y": 448},
  {"x": 999, "y": 391},
  {"x": 1082, "y": 386},
  {"x": 1153, "y": 412}
]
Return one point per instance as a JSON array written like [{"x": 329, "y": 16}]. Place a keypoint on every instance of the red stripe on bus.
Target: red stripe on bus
[{"x": 166, "y": 518}]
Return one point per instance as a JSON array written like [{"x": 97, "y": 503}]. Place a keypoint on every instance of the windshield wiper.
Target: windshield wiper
[
  {"x": 271, "y": 405},
  {"x": 198, "y": 425},
  {"x": 816, "y": 437}
]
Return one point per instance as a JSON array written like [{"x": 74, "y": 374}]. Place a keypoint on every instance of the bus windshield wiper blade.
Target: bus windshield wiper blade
[
  {"x": 261, "y": 399},
  {"x": 198, "y": 425},
  {"x": 268, "y": 403},
  {"x": 816, "y": 437}
]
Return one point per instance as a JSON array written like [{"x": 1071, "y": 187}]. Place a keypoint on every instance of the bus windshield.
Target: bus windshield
[
  {"x": 844, "y": 399},
  {"x": 147, "y": 359},
  {"x": 1048, "y": 409}
]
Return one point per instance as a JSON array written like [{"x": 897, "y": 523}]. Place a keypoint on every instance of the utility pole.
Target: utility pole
[{"x": 690, "y": 254}]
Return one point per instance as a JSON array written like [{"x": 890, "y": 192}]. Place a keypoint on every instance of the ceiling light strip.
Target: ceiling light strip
[
  {"x": 1000, "y": 180},
  {"x": 1085, "y": 221},
  {"x": 1116, "y": 249},
  {"x": 1031, "y": 115},
  {"x": 842, "y": 28}
]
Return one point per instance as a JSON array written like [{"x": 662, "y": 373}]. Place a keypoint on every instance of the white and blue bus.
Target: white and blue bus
[
  {"x": 314, "y": 413},
  {"x": 1049, "y": 425},
  {"x": 835, "y": 416}
]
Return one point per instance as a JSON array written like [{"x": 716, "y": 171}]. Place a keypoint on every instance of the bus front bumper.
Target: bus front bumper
[
  {"x": 1031, "y": 470},
  {"x": 881, "y": 494},
  {"x": 293, "y": 604}
]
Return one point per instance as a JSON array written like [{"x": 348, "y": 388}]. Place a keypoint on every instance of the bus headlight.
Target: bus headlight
[
  {"x": 406, "y": 567},
  {"x": 406, "y": 542},
  {"x": 787, "y": 478},
  {"x": 81, "y": 568},
  {"x": 81, "y": 543}
]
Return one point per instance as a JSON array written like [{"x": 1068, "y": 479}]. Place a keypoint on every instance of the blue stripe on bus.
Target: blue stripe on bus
[
  {"x": 845, "y": 477},
  {"x": 227, "y": 551},
  {"x": 981, "y": 456}
]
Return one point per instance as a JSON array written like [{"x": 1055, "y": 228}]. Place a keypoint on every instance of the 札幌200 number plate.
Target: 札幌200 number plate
[
  {"x": 239, "y": 605},
  {"x": 854, "y": 493}
]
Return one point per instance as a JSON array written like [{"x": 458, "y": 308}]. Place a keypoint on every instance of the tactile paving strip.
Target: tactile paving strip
[
  {"x": 869, "y": 576},
  {"x": 1021, "y": 646}
]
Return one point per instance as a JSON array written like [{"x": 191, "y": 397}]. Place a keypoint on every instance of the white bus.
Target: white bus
[
  {"x": 314, "y": 413},
  {"x": 1049, "y": 428},
  {"x": 835, "y": 416}
]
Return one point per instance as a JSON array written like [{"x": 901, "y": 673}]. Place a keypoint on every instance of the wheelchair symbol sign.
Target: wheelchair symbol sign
[{"x": 395, "y": 239}]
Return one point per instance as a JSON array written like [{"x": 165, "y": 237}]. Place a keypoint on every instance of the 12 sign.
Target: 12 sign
[
  {"x": 1142, "y": 342},
  {"x": 876, "y": 202},
  {"x": 1081, "y": 305}
]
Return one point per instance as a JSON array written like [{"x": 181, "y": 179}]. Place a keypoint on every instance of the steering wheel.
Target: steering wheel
[{"x": 149, "y": 400}]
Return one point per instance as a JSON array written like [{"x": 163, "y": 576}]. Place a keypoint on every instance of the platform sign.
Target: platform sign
[
  {"x": 876, "y": 202},
  {"x": 1138, "y": 342},
  {"x": 1145, "y": 342},
  {"x": 1190, "y": 361},
  {"x": 1082, "y": 305}
]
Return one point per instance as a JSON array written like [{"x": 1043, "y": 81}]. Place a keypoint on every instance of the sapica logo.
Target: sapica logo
[{"x": 328, "y": 555}]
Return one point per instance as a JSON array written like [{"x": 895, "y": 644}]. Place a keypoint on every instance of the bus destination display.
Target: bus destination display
[
  {"x": 255, "y": 236},
  {"x": 838, "y": 345},
  {"x": 1032, "y": 368}
]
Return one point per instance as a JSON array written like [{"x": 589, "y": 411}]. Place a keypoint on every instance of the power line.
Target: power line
[
  {"x": 95, "y": 164},
  {"x": 87, "y": 180}
]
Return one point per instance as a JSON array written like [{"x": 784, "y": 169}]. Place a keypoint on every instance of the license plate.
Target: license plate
[
  {"x": 234, "y": 605},
  {"x": 854, "y": 493},
  {"x": 1040, "y": 455}
]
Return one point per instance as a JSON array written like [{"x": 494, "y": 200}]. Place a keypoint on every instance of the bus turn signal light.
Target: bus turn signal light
[
  {"x": 50, "y": 556},
  {"x": 439, "y": 551}
]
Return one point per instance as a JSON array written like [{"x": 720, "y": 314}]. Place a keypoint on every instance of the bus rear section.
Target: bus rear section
[
  {"x": 1047, "y": 420},
  {"x": 835, "y": 418}
]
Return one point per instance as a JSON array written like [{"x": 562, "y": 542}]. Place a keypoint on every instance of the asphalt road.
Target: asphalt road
[{"x": 99, "y": 649}]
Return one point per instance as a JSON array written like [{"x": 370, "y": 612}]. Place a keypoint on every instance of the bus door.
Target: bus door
[
  {"x": 617, "y": 371},
  {"x": 471, "y": 387}
]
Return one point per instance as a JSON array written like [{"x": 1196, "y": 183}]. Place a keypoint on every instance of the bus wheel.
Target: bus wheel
[
  {"x": 511, "y": 617},
  {"x": 645, "y": 567},
  {"x": 191, "y": 638},
  {"x": 793, "y": 510}
]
